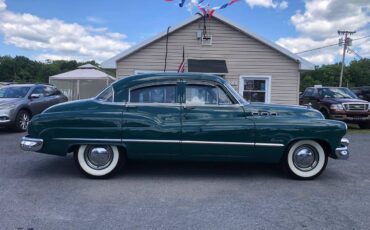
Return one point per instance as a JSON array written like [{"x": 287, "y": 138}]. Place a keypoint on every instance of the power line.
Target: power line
[
  {"x": 322, "y": 47},
  {"x": 318, "y": 48}
]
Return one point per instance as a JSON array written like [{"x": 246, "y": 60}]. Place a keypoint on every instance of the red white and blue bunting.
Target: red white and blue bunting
[{"x": 203, "y": 6}]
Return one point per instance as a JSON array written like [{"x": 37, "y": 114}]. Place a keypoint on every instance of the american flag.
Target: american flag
[{"x": 181, "y": 68}]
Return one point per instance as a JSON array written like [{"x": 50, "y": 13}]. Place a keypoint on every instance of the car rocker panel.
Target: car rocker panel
[{"x": 184, "y": 117}]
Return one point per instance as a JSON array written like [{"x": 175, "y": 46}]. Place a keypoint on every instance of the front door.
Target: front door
[
  {"x": 214, "y": 124},
  {"x": 152, "y": 124}
]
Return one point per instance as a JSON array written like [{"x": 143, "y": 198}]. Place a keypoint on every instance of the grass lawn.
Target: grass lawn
[{"x": 354, "y": 129}]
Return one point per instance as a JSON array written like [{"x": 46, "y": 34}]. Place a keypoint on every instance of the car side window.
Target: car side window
[
  {"x": 154, "y": 94},
  {"x": 49, "y": 91},
  {"x": 39, "y": 90},
  {"x": 206, "y": 95},
  {"x": 308, "y": 92}
]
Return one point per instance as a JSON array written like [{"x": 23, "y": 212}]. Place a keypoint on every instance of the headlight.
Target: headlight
[
  {"x": 336, "y": 107},
  {"x": 7, "y": 106}
]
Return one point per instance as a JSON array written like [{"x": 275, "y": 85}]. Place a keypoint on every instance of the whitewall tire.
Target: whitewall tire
[
  {"x": 98, "y": 161},
  {"x": 305, "y": 159}
]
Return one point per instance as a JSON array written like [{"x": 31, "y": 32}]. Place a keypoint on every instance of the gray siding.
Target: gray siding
[{"x": 243, "y": 54}]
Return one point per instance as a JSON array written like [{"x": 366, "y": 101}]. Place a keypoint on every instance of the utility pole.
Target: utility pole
[{"x": 345, "y": 42}]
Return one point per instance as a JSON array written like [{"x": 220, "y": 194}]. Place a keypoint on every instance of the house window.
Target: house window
[{"x": 255, "y": 88}]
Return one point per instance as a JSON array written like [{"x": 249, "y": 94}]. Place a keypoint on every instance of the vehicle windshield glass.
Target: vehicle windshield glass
[
  {"x": 107, "y": 95},
  {"x": 336, "y": 93},
  {"x": 14, "y": 91},
  {"x": 237, "y": 96}
]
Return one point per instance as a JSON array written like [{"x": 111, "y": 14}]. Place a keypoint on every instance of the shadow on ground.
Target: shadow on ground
[{"x": 64, "y": 167}]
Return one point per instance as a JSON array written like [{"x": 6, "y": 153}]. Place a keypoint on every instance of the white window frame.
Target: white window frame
[{"x": 267, "y": 79}]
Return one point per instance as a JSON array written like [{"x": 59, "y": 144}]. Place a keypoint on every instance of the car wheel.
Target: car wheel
[
  {"x": 21, "y": 121},
  {"x": 325, "y": 113},
  {"x": 365, "y": 125},
  {"x": 305, "y": 160},
  {"x": 99, "y": 161}
]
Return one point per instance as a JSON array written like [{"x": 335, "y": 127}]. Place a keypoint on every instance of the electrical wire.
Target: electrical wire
[{"x": 322, "y": 47}]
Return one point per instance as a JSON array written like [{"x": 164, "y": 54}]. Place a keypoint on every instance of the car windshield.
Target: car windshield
[
  {"x": 14, "y": 91},
  {"x": 336, "y": 93},
  {"x": 237, "y": 96}
]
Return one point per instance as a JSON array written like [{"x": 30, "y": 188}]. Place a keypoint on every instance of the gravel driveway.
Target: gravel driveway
[{"x": 46, "y": 192}]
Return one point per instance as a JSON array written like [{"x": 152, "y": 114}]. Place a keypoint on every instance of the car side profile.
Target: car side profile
[
  {"x": 184, "y": 117},
  {"x": 19, "y": 102}
]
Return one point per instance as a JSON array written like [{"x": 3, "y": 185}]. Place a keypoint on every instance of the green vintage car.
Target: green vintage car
[{"x": 184, "y": 117}]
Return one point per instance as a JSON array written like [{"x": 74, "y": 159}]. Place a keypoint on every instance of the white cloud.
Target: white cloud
[
  {"x": 95, "y": 20},
  {"x": 318, "y": 26},
  {"x": 58, "y": 38},
  {"x": 267, "y": 4},
  {"x": 283, "y": 5},
  {"x": 2, "y": 5}
]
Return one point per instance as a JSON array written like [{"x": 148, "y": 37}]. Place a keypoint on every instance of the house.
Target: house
[{"x": 259, "y": 69}]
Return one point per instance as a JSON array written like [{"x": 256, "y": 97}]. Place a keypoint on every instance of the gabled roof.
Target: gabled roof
[
  {"x": 85, "y": 73},
  {"x": 87, "y": 66},
  {"x": 303, "y": 64}
]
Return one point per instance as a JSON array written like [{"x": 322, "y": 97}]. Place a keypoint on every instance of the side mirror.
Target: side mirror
[{"x": 34, "y": 96}]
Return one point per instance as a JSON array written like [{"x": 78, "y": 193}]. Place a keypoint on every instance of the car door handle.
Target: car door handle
[
  {"x": 131, "y": 106},
  {"x": 189, "y": 107}
]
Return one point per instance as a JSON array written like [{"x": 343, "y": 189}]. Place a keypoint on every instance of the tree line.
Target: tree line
[
  {"x": 21, "y": 69},
  {"x": 357, "y": 73}
]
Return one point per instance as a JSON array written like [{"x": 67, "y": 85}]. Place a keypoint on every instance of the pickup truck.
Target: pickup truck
[{"x": 338, "y": 103}]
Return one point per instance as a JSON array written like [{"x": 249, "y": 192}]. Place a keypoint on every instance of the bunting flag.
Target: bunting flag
[
  {"x": 211, "y": 11},
  {"x": 181, "y": 3},
  {"x": 205, "y": 8}
]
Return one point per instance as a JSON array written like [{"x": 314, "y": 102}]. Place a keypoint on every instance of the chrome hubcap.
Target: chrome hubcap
[
  {"x": 98, "y": 157},
  {"x": 305, "y": 158},
  {"x": 23, "y": 121}
]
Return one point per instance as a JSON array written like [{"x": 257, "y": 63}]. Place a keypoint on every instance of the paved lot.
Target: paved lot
[{"x": 46, "y": 192}]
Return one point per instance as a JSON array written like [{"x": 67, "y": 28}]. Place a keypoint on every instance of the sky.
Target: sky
[{"x": 97, "y": 30}]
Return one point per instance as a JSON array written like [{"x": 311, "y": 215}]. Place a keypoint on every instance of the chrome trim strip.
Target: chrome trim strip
[
  {"x": 151, "y": 141},
  {"x": 4, "y": 121},
  {"x": 218, "y": 143},
  {"x": 269, "y": 144},
  {"x": 174, "y": 141},
  {"x": 87, "y": 139}
]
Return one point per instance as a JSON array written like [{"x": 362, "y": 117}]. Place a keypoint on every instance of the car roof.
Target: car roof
[
  {"x": 154, "y": 77},
  {"x": 25, "y": 85}
]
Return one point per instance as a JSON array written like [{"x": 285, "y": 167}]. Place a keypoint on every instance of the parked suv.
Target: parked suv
[
  {"x": 19, "y": 102},
  {"x": 338, "y": 103},
  {"x": 362, "y": 92}
]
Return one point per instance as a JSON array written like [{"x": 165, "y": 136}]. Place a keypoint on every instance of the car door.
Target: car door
[
  {"x": 214, "y": 125},
  {"x": 152, "y": 124},
  {"x": 37, "y": 100}
]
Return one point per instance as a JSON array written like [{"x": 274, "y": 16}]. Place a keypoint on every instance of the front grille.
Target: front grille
[{"x": 356, "y": 106}]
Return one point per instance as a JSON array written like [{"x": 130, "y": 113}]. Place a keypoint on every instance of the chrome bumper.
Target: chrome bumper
[
  {"x": 342, "y": 151},
  {"x": 31, "y": 144}
]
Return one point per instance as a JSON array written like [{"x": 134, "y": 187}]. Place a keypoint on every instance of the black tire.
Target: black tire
[
  {"x": 295, "y": 160},
  {"x": 21, "y": 121},
  {"x": 325, "y": 113},
  {"x": 364, "y": 125},
  {"x": 115, "y": 161}
]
